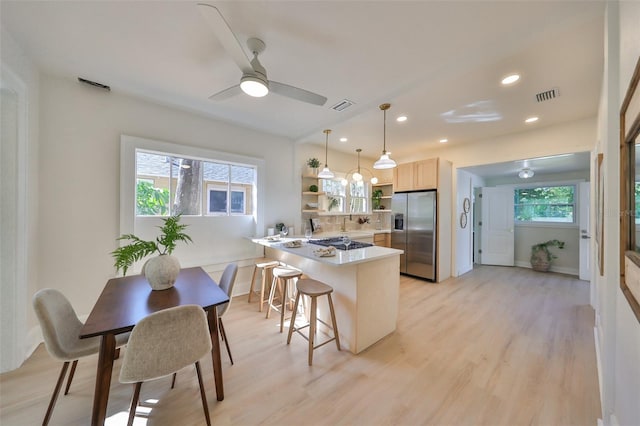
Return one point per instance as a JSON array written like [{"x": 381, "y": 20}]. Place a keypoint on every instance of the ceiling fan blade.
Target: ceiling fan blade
[
  {"x": 226, "y": 37},
  {"x": 296, "y": 93},
  {"x": 226, "y": 93}
]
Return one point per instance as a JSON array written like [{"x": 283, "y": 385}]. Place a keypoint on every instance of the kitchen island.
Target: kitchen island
[{"x": 366, "y": 283}]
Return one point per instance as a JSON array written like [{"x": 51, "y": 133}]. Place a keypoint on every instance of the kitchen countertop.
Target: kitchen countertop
[{"x": 342, "y": 257}]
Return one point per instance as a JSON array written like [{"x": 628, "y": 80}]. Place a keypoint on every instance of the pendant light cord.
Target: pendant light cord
[{"x": 326, "y": 146}]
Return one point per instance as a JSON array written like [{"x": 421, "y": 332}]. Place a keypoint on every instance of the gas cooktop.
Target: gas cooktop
[{"x": 337, "y": 243}]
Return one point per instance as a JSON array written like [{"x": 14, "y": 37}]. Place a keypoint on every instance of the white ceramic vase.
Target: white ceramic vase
[{"x": 161, "y": 271}]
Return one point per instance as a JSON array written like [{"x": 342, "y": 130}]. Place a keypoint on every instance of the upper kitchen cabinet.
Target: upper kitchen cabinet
[{"x": 418, "y": 175}]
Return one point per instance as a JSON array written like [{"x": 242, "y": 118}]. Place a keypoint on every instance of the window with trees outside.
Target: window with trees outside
[
  {"x": 167, "y": 184},
  {"x": 545, "y": 204}
]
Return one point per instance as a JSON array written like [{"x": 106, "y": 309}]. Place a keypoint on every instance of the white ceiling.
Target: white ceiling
[{"x": 438, "y": 62}]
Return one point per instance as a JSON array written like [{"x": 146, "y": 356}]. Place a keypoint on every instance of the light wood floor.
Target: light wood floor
[{"x": 497, "y": 346}]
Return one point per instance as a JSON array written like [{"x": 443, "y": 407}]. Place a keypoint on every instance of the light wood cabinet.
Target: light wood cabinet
[
  {"x": 417, "y": 175},
  {"x": 382, "y": 240},
  {"x": 403, "y": 177},
  {"x": 425, "y": 174}
]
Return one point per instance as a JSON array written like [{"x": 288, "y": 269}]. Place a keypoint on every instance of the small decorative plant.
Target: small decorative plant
[
  {"x": 333, "y": 202},
  {"x": 314, "y": 163},
  {"x": 363, "y": 219},
  {"x": 165, "y": 243},
  {"x": 313, "y": 188},
  {"x": 541, "y": 257},
  {"x": 376, "y": 196}
]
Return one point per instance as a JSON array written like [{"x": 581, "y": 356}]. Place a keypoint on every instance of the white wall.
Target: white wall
[
  {"x": 464, "y": 236},
  {"x": 14, "y": 60},
  {"x": 617, "y": 329},
  {"x": 80, "y": 176},
  {"x": 576, "y": 136}
]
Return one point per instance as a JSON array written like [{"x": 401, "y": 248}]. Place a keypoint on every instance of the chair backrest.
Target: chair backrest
[
  {"x": 59, "y": 323},
  {"x": 164, "y": 342},
  {"x": 227, "y": 282}
]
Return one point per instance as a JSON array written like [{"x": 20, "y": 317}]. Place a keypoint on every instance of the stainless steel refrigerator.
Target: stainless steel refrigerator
[{"x": 413, "y": 229}]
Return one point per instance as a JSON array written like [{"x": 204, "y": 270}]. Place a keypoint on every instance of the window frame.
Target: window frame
[
  {"x": 551, "y": 224},
  {"x": 130, "y": 144}
]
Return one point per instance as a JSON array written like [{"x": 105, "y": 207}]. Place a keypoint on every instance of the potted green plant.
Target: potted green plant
[
  {"x": 161, "y": 271},
  {"x": 376, "y": 197},
  {"x": 313, "y": 164},
  {"x": 541, "y": 257}
]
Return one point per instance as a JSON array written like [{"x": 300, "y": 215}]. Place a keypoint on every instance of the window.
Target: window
[
  {"x": 167, "y": 184},
  {"x": 346, "y": 197},
  {"x": 545, "y": 204}
]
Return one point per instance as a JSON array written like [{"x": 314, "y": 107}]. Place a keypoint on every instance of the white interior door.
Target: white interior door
[
  {"x": 584, "y": 200},
  {"x": 497, "y": 240}
]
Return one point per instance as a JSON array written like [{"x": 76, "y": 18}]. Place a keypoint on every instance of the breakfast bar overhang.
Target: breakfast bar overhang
[{"x": 366, "y": 283}]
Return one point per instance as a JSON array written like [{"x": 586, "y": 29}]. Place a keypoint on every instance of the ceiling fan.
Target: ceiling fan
[{"x": 254, "y": 80}]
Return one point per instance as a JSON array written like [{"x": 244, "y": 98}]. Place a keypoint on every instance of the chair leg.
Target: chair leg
[
  {"x": 71, "y": 372},
  {"x": 253, "y": 279},
  {"x": 272, "y": 294},
  {"x": 334, "y": 322},
  {"x": 202, "y": 394},
  {"x": 134, "y": 403},
  {"x": 56, "y": 391},
  {"x": 293, "y": 317},
  {"x": 223, "y": 334},
  {"x": 173, "y": 380},
  {"x": 283, "y": 306},
  {"x": 312, "y": 327}
]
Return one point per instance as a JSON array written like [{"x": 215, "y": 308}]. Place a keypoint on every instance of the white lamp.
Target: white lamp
[
  {"x": 385, "y": 162},
  {"x": 326, "y": 173},
  {"x": 525, "y": 173},
  {"x": 356, "y": 174},
  {"x": 254, "y": 86}
]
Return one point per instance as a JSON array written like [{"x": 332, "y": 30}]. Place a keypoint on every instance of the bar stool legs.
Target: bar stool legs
[
  {"x": 313, "y": 289},
  {"x": 281, "y": 278},
  {"x": 267, "y": 268}
]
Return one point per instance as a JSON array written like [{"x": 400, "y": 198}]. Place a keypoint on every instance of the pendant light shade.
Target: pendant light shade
[
  {"x": 385, "y": 162},
  {"x": 326, "y": 173},
  {"x": 355, "y": 175}
]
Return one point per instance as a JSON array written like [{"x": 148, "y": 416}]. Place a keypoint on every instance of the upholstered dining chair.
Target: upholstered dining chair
[
  {"x": 61, "y": 330},
  {"x": 163, "y": 343},
  {"x": 227, "y": 282}
]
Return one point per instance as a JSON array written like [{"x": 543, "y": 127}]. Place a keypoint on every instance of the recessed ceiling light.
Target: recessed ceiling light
[
  {"x": 510, "y": 79},
  {"x": 401, "y": 118},
  {"x": 531, "y": 120},
  {"x": 343, "y": 139},
  {"x": 444, "y": 140}
]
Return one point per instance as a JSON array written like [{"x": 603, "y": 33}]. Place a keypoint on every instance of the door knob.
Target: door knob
[{"x": 585, "y": 237}]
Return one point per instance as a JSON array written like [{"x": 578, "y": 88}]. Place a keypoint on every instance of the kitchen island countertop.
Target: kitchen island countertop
[{"x": 342, "y": 257}]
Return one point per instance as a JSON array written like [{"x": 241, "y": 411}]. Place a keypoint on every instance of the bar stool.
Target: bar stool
[
  {"x": 267, "y": 268},
  {"x": 313, "y": 289},
  {"x": 281, "y": 277}
]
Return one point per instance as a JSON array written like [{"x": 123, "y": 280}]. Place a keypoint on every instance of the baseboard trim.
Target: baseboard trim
[
  {"x": 596, "y": 340},
  {"x": 558, "y": 269}
]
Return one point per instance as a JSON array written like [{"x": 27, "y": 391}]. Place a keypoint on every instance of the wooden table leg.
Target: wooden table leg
[
  {"x": 103, "y": 379},
  {"x": 212, "y": 315}
]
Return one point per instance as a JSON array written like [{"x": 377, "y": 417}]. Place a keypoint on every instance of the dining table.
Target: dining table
[{"x": 126, "y": 300}]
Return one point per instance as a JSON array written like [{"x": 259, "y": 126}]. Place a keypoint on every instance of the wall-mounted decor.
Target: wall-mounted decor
[
  {"x": 466, "y": 205},
  {"x": 629, "y": 140},
  {"x": 463, "y": 220}
]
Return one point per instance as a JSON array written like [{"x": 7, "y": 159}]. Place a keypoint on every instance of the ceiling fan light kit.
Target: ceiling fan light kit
[
  {"x": 254, "y": 86},
  {"x": 525, "y": 173},
  {"x": 326, "y": 173},
  {"x": 254, "y": 80},
  {"x": 385, "y": 162}
]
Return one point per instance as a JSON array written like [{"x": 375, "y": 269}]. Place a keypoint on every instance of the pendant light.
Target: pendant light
[
  {"x": 384, "y": 162},
  {"x": 357, "y": 176},
  {"x": 326, "y": 173}
]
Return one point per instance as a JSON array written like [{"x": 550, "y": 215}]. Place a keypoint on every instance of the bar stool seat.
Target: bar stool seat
[
  {"x": 267, "y": 268},
  {"x": 313, "y": 289},
  {"x": 281, "y": 278}
]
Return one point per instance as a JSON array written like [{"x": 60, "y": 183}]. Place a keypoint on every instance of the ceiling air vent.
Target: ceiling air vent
[
  {"x": 548, "y": 95},
  {"x": 94, "y": 84},
  {"x": 342, "y": 105}
]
